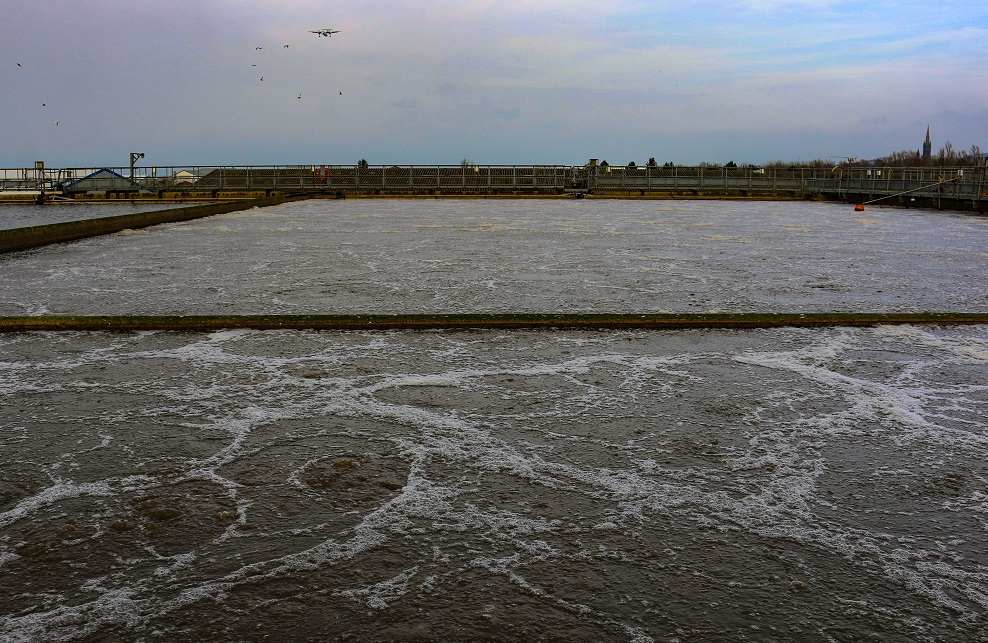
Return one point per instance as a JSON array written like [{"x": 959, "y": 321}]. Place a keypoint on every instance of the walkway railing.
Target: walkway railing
[{"x": 967, "y": 183}]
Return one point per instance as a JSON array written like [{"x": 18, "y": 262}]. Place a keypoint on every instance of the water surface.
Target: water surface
[
  {"x": 434, "y": 256},
  {"x": 778, "y": 484}
]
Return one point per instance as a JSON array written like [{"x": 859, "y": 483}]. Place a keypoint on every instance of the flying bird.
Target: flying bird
[
  {"x": 262, "y": 77},
  {"x": 286, "y": 46},
  {"x": 19, "y": 65},
  {"x": 299, "y": 96},
  {"x": 325, "y": 32},
  {"x": 44, "y": 104},
  {"x": 256, "y": 48},
  {"x": 57, "y": 122}
]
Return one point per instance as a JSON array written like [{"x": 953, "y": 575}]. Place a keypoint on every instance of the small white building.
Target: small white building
[{"x": 184, "y": 179}]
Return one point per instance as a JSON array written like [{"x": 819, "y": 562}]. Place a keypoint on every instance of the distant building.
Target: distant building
[
  {"x": 184, "y": 179},
  {"x": 927, "y": 145}
]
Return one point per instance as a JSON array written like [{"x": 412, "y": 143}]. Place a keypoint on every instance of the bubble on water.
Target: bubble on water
[
  {"x": 58, "y": 492},
  {"x": 380, "y": 595},
  {"x": 118, "y": 607},
  {"x": 972, "y": 347},
  {"x": 514, "y": 493}
]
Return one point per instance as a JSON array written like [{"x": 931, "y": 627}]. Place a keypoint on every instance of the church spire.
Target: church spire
[{"x": 927, "y": 145}]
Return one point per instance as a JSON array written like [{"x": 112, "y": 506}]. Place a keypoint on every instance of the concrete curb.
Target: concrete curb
[
  {"x": 32, "y": 237},
  {"x": 205, "y": 323}
]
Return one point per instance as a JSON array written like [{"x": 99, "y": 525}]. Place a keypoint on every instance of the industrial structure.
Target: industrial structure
[{"x": 956, "y": 188}]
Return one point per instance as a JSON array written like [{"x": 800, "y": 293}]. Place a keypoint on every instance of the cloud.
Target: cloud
[
  {"x": 493, "y": 80},
  {"x": 814, "y": 6}
]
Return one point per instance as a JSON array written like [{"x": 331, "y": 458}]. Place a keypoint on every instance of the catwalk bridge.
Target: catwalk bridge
[{"x": 942, "y": 187}]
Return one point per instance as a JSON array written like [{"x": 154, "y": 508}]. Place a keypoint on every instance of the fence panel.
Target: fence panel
[{"x": 969, "y": 183}]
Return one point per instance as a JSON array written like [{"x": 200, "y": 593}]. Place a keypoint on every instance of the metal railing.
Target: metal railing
[
  {"x": 960, "y": 183},
  {"x": 956, "y": 183},
  {"x": 703, "y": 179},
  {"x": 290, "y": 178}
]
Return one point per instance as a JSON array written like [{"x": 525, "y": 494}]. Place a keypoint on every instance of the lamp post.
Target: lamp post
[
  {"x": 39, "y": 171},
  {"x": 133, "y": 157}
]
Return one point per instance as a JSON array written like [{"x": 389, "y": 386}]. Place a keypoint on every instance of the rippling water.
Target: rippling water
[
  {"x": 781, "y": 484},
  {"x": 416, "y": 256}
]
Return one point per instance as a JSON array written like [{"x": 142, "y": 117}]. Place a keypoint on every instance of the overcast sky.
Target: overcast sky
[{"x": 491, "y": 81}]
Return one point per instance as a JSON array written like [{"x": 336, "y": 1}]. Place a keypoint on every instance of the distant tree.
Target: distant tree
[
  {"x": 466, "y": 164},
  {"x": 652, "y": 162},
  {"x": 899, "y": 159},
  {"x": 947, "y": 155},
  {"x": 731, "y": 164},
  {"x": 631, "y": 164},
  {"x": 362, "y": 164},
  {"x": 817, "y": 163},
  {"x": 668, "y": 164}
]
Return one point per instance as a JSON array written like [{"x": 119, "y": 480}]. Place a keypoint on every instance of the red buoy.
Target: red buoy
[{"x": 859, "y": 208}]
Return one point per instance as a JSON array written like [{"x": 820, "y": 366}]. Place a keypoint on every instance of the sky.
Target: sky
[{"x": 84, "y": 83}]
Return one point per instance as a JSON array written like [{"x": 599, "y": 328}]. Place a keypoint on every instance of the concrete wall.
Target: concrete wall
[
  {"x": 206, "y": 323},
  {"x": 32, "y": 237}
]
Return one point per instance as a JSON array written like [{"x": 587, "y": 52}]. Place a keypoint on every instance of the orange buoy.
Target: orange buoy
[{"x": 859, "y": 208}]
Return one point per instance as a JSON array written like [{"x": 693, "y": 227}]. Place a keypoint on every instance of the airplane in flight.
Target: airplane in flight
[{"x": 325, "y": 32}]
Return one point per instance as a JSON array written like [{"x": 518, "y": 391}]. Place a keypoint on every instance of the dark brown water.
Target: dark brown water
[{"x": 783, "y": 484}]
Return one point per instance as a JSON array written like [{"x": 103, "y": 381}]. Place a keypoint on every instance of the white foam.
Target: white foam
[
  {"x": 57, "y": 492},
  {"x": 899, "y": 401},
  {"x": 975, "y": 348},
  {"x": 118, "y": 607},
  {"x": 763, "y": 484},
  {"x": 380, "y": 595}
]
